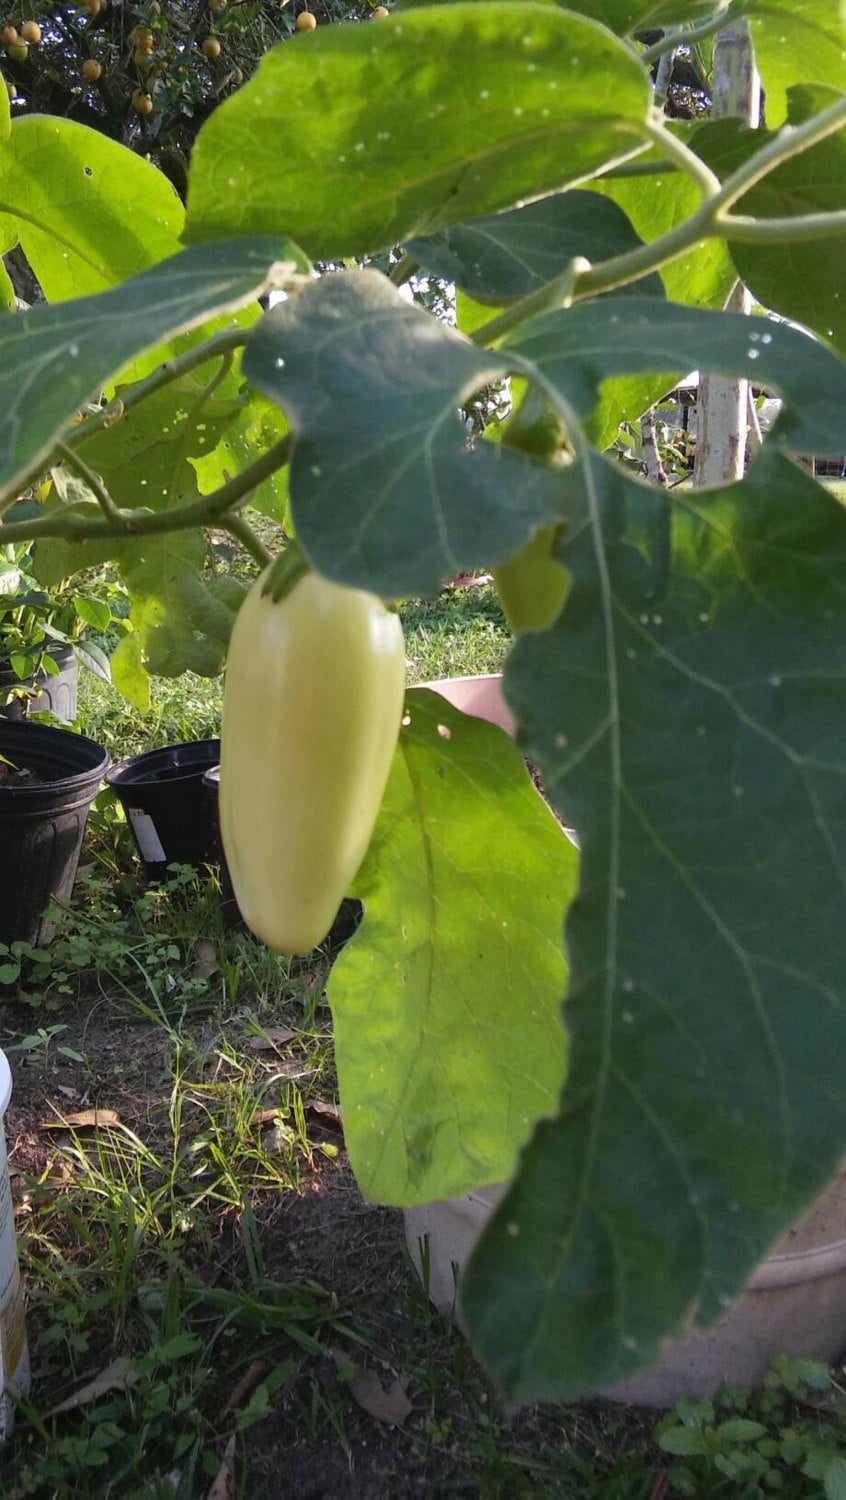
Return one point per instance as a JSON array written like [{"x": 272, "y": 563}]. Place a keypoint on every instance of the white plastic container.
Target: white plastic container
[{"x": 14, "y": 1355}]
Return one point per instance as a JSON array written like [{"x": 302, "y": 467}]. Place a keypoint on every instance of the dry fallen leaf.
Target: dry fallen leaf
[
  {"x": 391, "y": 1406},
  {"x": 205, "y": 959},
  {"x": 271, "y": 1038},
  {"x": 68, "y": 1092},
  {"x": 223, "y": 1485},
  {"x": 115, "y": 1377},
  {"x": 82, "y": 1119},
  {"x": 331, "y": 1112}
]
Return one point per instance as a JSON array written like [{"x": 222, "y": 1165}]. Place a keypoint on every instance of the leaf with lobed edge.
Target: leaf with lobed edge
[{"x": 362, "y": 146}]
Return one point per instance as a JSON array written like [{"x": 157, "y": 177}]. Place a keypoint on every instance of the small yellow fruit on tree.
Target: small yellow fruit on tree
[
  {"x": 31, "y": 32},
  {"x": 380, "y": 13},
  {"x": 9, "y": 36},
  {"x": 211, "y": 46},
  {"x": 142, "y": 103},
  {"x": 94, "y": 7},
  {"x": 11, "y": 88},
  {"x": 17, "y": 51},
  {"x": 306, "y": 21},
  {"x": 91, "y": 69}
]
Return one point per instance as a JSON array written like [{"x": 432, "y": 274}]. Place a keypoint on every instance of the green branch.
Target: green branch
[
  {"x": 682, "y": 157},
  {"x": 651, "y": 168},
  {"x": 209, "y": 510},
  {"x": 547, "y": 298},
  {"x": 94, "y": 483},
  {"x": 788, "y": 142},
  {"x": 675, "y": 37},
  {"x": 711, "y": 220},
  {"x": 404, "y": 269},
  {"x": 222, "y": 343},
  {"x": 243, "y": 532},
  {"x": 744, "y": 231}
]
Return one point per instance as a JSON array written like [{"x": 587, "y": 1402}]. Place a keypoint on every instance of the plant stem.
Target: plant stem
[
  {"x": 225, "y": 342},
  {"x": 651, "y": 168},
  {"x": 547, "y": 298},
  {"x": 94, "y": 483},
  {"x": 788, "y": 142},
  {"x": 747, "y": 231},
  {"x": 404, "y": 269},
  {"x": 682, "y": 157},
  {"x": 243, "y": 532},
  {"x": 207, "y": 511},
  {"x": 708, "y": 221},
  {"x": 674, "y": 37}
]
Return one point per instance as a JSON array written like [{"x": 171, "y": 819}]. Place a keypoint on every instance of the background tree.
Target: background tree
[{"x": 146, "y": 74}]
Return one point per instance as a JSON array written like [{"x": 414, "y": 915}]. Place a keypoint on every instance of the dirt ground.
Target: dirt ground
[{"x": 453, "y": 1441}]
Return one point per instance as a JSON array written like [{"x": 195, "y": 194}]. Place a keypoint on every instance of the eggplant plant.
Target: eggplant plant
[{"x": 683, "y": 688}]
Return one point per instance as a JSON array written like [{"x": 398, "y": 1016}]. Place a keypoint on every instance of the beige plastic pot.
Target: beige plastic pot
[
  {"x": 794, "y": 1304},
  {"x": 481, "y": 697}
]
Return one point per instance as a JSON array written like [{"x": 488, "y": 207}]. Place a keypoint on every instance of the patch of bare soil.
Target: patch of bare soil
[{"x": 397, "y": 1409}]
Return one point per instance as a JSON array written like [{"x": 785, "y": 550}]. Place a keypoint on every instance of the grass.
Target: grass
[
  {"x": 461, "y": 633},
  {"x": 205, "y": 1283}
]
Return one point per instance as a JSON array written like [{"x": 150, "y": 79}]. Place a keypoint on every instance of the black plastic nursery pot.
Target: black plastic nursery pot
[
  {"x": 42, "y": 821},
  {"x": 56, "y": 691},
  {"x": 167, "y": 806}
]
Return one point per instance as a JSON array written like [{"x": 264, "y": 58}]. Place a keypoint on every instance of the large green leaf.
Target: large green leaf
[
  {"x": 505, "y": 256},
  {"x": 447, "y": 1003},
  {"x": 577, "y": 348},
  {"x": 55, "y": 357},
  {"x": 89, "y": 212},
  {"x": 796, "y": 41},
  {"x": 688, "y": 711},
  {"x": 382, "y": 481},
  {"x": 620, "y": 16},
  {"x": 802, "y": 281},
  {"x": 372, "y": 135}
]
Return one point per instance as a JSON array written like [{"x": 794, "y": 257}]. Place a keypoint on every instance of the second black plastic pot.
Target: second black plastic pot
[{"x": 167, "y": 806}]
